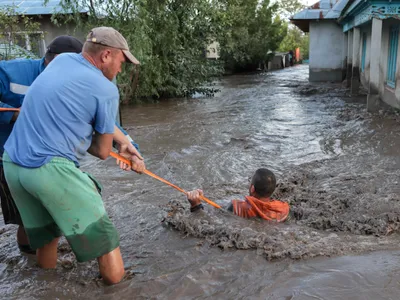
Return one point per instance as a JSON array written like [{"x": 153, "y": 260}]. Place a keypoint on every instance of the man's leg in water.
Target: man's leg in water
[
  {"x": 47, "y": 255},
  {"x": 11, "y": 214},
  {"x": 59, "y": 198},
  {"x": 22, "y": 237},
  {"x": 111, "y": 266}
]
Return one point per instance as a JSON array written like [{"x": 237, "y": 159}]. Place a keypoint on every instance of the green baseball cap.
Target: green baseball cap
[{"x": 108, "y": 36}]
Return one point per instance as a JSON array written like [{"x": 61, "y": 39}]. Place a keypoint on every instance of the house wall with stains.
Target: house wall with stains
[
  {"x": 51, "y": 31},
  {"x": 389, "y": 95},
  {"x": 326, "y": 51}
]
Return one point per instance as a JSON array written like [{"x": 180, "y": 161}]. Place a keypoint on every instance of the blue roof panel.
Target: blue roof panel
[
  {"x": 324, "y": 9},
  {"x": 28, "y": 3},
  {"x": 9, "y": 3},
  {"x": 35, "y": 7},
  {"x": 336, "y": 11}
]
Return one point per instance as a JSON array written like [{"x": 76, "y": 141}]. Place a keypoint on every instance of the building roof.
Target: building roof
[
  {"x": 322, "y": 10},
  {"x": 337, "y": 9},
  {"x": 350, "y": 6},
  {"x": 27, "y": 7}
]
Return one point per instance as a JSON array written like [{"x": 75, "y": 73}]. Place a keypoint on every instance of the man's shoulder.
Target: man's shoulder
[
  {"x": 20, "y": 65},
  {"x": 67, "y": 55},
  {"x": 65, "y": 61},
  {"x": 20, "y": 61},
  {"x": 88, "y": 75},
  {"x": 104, "y": 88}
]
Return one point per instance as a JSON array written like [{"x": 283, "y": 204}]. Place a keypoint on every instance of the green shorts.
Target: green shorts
[{"x": 59, "y": 199}]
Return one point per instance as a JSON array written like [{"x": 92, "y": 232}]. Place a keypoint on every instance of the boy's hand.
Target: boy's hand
[{"x": 194, "y": 197}]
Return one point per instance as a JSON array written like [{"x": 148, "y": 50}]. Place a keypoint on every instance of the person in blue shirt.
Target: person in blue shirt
[
  {"x": 55, "y": 128},
  {"x": 15, "y": 78}
]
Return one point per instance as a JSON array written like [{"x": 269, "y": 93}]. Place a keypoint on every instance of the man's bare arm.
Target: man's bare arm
[{"x": 101, "y": 145}]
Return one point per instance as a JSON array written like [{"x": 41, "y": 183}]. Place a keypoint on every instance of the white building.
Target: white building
[
  {"x": 357, "y": 40},
  {"x": 213, "y": 50}
]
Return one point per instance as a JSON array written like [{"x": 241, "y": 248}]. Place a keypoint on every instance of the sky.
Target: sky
[{"x": 306, "y": 2}]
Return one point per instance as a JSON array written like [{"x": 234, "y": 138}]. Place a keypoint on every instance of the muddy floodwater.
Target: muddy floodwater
[{"x": 336, "y": 164}]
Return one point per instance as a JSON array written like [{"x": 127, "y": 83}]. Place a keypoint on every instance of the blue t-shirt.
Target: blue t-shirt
[
  {"x": 63, "y": 106},
  {"x": 15, "y": 78}
]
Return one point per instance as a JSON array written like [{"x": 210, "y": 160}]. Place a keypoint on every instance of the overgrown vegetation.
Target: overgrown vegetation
[
  {"x": 14, "y": 31},
  {"x": 295, "y": 38},
  {"x": 252, "y": 28}
]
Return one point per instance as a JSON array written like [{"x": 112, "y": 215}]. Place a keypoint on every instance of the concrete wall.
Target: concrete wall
[
  {"x": 326, "y": 51},
  {"x": 51, "y": 31},
  {"x": 389, "y": 95},
  {"x": 344, "y": 54},
  {"x": 383, "y": 59},
  {"x": 276, "y": 63}
]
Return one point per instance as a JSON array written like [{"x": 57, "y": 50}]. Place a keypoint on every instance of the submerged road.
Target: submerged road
[{"x": 335, "y": 164}]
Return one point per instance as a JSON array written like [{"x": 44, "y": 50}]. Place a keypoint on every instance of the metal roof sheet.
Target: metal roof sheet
[
  {"x": 352, "y": 4},
  {"x": 310, "y": 14},
  {"x": 337, "y": 9},
  {"x": 27, "y": 7},
  {"x": 324, "y": 9}
]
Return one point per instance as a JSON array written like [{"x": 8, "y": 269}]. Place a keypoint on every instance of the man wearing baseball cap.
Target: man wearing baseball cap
[
  {"x": 15, "y": 78},
  {"x": 41, "y": 157},
  {"x": 108, "y": 36},
  {"x": 112, "y": 38},
  {"x": 62, "y": 44}
]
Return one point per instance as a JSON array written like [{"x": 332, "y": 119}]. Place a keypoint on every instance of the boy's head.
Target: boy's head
[{"x": 262, "y": 184}]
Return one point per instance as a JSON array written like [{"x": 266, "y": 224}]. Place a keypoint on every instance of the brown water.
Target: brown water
[{"x": 336, "y": 165}]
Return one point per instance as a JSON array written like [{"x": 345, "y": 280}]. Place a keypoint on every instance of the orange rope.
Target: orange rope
[
  {"x": 147, "y": 172},
  {"x": 3, "y": 109}
]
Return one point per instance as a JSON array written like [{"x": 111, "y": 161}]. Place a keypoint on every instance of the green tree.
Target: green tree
[
  {"x": 252, "y": 30},
  {"x": 305, "y": 46},
  {"x": 168, "y": 37},
  {"x": 290, "y": 7},
  {"x": 295, "y": 38}
]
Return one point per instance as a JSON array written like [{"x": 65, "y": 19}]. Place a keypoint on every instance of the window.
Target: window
[
  {"x": 32, "y": 41},
  {"x": 392, "y": 56},
  {"x": 22, "y": 45},
  {"x": 364, "y": 51}
]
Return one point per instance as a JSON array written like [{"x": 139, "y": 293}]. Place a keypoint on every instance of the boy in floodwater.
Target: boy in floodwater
[{"x": 257, "y": 204}]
